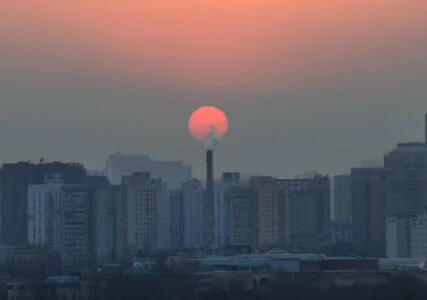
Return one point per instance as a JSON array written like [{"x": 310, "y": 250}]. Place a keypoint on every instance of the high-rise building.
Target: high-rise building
[
  {"x": 147, "y": 211},
  {"x": 268, "y": 209},
  {"x": 44, "y": 217},
  {"x": 304, "y": 206},
  {"x": 193, "y": 200},
  {"x": 342, "y": 198},
  {"x": 108, "y": 225},
  {"x": 368, "y": 195},
  {"x": 16, "y": 178},
  {"x": 177, "y": 221},
  {"x": 398, "y": 237},
  {"x": 171, "y": 172},
  {"x": 222, "y": 207},
  {"x": 76, "y": 234},
  {"x": 418, "y": 234},
  {"x": 244, "y": 218},
  {"x": 406, "y": 179}
]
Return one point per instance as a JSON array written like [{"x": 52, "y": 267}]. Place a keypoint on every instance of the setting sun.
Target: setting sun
[{"x": 203, "y": 119}]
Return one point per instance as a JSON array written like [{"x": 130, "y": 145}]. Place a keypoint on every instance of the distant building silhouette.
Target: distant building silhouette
[
  {"x": 368, "y": 195},
  {"x": 244, "y": 215},
  {"x": 171, "y": 172},
  {"x": 193, "y": 197},
  {"x": 342, "y": 198}
]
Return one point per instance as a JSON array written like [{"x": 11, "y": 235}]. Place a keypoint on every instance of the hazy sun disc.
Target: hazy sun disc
[{"x": 203, "y": 119}]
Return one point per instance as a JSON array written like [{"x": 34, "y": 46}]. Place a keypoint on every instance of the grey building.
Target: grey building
[
  {"x": 177, "y": 221},
  {"x": 76, "y": 242},
  {"x": 171, "y": 172},
  {"x": 342, "y": 198},
  {"x": 305, "y": 211},
  {"x": 406, "y": 179},
  {"x": 108, "y": 225},
  {"x": 368, "y": 195},
  {"x": 244, "y": 219}
]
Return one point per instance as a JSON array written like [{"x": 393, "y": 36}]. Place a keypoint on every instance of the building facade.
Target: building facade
[
  {"x": 177, "y": 221},
  {"x": 398, "y": 237},
  {"x": 304, "y": 206},
  {"x": 76, "y": 242},
  {"x": 368, "y": 195},
  {"x": 108, "y": 225},
  {"x": 244, "y": 215},
  {"x": 44, "y": 217},
  {"x": 342, "y": 198},
  {"x": 222, "y": 207},
  {"x": 146, "y": 214},
  {"x": 193, "y": 204},
  {"x": 418, "y": 234},
  {"x": 16, "y": 177},
  {"x": 406, "y": 179},
  {"x": 268, "y": 209}
]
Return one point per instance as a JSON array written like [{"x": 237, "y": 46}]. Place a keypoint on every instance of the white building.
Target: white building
[
  {"x": 44, "y": 219},
  {"x": 147, "y": 210},
  {"x": 193, "y": 197},
  {"x": 418, "y": 229},
  {"x": 398, "y": 243}
]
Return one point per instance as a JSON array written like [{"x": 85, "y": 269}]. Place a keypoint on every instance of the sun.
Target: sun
[{"x": 204, "y": 119}]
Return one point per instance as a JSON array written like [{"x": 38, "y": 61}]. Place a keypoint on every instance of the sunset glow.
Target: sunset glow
[
  {"x": 222, "y": 42},
  {"x": 206, "y": 118}
]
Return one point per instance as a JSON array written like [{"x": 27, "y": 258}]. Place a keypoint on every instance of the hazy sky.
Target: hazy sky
[{"x": 306, "y": 84}]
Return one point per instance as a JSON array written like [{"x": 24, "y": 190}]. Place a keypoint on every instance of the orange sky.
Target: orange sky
[{"x": 210, "y": 42}]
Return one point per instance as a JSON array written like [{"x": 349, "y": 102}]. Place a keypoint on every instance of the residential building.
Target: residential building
[
  {"x": 418, "y": 234},
  {"x": 171, "y": 172},
  {"x": 76, "y": 213},
  {"x": 244, "y": 218},
  {"x": 44, "y": 217},
  {"x": 398, "y": 237},
  {"x": 368, "y": 196},
  {"x": 304, "y": 212},
  {"x": 177, "y": 221},
  {"x": 268, "y": 209},
  {"x": 341, "y": 232},
  {"x": 342, "y": 198},
  {"x": 108, "y": 225},
  {"x": 147, "y": 212},
  {"x": 193, "y": 199},
  {"x": 16, "y": 177},
  {"x": 222, "y": 207},
  {"x": 406, "y": 179}
]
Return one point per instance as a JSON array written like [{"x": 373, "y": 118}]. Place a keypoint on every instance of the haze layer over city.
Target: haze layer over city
[
  {"x": 305, "y": 85},
  {"x": 208, "y": 149}
]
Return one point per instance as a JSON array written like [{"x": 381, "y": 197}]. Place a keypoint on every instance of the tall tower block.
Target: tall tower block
[{"x": 209, "y": 213}]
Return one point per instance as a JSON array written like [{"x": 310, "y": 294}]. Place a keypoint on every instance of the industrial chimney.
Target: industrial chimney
[{"x": 209, "y": 209}]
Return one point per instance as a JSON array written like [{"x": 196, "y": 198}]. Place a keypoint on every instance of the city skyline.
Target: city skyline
[{"x": 306, "y": 86}]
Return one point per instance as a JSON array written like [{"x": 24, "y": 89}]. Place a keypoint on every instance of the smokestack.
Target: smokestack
[{"x": 209, "y": 212}]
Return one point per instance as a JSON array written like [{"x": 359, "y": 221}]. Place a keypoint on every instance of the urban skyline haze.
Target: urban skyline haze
[{"x": 305, "y": 86}]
